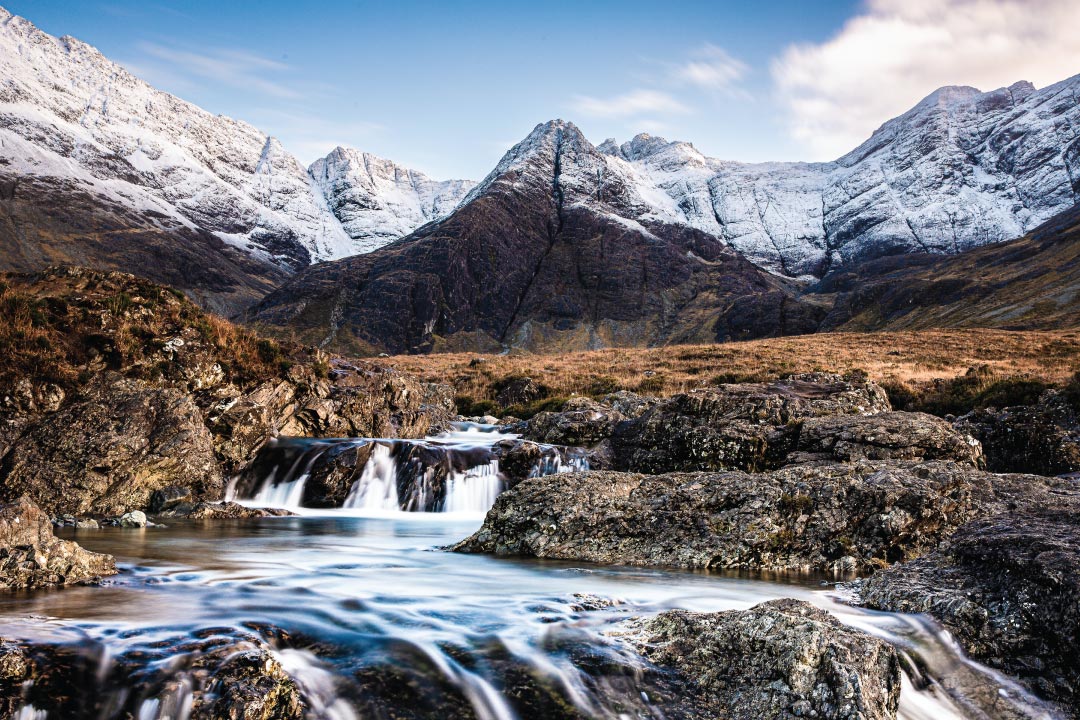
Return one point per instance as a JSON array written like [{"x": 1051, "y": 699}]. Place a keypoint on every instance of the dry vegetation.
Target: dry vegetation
[
  {"x": 62, "y": 325},
  {"x": 967, "y": 366}
]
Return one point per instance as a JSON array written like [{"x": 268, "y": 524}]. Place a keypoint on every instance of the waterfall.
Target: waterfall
[
  {"x": 456, "y": 472},
  {"x": 474, "y": 490},
  {"x": 376, "y": 489}
]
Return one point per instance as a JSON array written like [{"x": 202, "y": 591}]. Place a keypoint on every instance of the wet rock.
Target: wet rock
[
  {"x": 1042, "y": 438},
  {"x": 221, "y": 511},
  {"x": 161, "y": 500},
  {"x": 885, "y": 436},
  {"x": 31, "y": 556},
  {"x": 582, "y": 422},
  {"x": 88, "y": 524},
  {"x": 837, "y": 518},
  {"x": 781, "y": 659},
  {"x": 133, "y": 519},
  {"x": 333, "y": 474},
  {"x": 110, "y": 449},
  {"x": 1007, "y": 588},
  {"x": 209, "y": 674},
  {"x": 517, "y": 459}
]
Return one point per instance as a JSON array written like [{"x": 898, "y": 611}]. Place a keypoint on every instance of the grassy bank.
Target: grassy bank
[{"x": 941, "y": 371}]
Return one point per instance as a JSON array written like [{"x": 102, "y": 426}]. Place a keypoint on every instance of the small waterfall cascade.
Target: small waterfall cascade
[{"x": 456, "y": 472}]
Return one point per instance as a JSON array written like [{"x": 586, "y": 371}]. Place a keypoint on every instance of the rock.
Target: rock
[
  {"x": 169, "y": 497},
  {"x": 781, "y": 659},
  {"x": 582, "y": 422},
  {"x": 1042, "y": 438},
  {"x": 222, "y": 511},
  {"x": 517, "y": 390},
  {"x": 133, "y": 519},
  {"x": 838, "y": 518},
  {"x": 208, "y": 674},
  {"x": 111, "y": 449},
  {"x": 886, "y": 436},
  {"x": 88, "y": 524},
  {"x": 749, "y": 426},
  {"x": 517, "y": 459},
  {"x": 1007, "y": 587},
  {"x": 31, "y": 556}
]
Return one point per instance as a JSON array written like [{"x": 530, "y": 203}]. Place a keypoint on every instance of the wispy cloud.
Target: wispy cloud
[
  {"x": 896, "y": 52},
  {"x": 710, "y": 68},
  {"x": 634, "y": 103},
  {"x": 233, "y": 68}
]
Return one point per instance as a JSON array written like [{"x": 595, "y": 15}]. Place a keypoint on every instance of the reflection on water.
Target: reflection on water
[{"x": 378, "y": 587}]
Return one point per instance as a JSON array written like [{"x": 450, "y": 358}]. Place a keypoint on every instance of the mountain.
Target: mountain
[
  {"x": 543, "y": 254},
  {"x": 377, "y": 200},
  {"x": 99, "y": 168},
  {"x": 1031, "y": 283},
  {"x": 961, "y": 169}
]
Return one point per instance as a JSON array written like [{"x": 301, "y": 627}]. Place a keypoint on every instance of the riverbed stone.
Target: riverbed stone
[
  {"x": 1007, "y": 587},
  {"x": 829, "y": 517},
  {"x": 31, "y": 556},
  {"x": 133, "y": 519},
  {"x": 779, "y": 660}
]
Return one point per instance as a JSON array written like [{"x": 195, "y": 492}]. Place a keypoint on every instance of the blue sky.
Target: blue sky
[{"x": 448, "y": 87}]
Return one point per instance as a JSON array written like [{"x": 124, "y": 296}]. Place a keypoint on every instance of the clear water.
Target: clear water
[{"x": 379, "y": 587}]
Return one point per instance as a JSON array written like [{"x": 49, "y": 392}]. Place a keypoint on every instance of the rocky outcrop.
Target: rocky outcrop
[
  {"x": 1006, "y": 587},
  {"x": 221, "y": 511},
  {"x": 1043, "y": 438},
  {"x": 886, "y": 436},
  {"x": 837, "y": 518},
  {"x": 120, "y": 388},
  {"x": 31, "y": 556},
  {"x": 781, "y": 659},
  {"x": 109, "y": 450}
]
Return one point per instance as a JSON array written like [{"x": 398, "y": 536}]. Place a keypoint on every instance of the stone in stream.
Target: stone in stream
[
  {"x": 221, "y": 511},
  {"x": 839, "y": 517},
  {"x": 133, "y": 519},
  {"x": 778, "y": 660},
  {"x": 31, "y": 556},
  {"x": 1007, "y": 587}
]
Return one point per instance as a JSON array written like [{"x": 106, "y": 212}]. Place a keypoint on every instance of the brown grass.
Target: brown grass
[{"x": 913, "y": 359}]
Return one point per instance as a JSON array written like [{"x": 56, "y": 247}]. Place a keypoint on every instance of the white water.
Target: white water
[
  {"x": 377, "y": 487},
  {"x": 455, "y": 472}
]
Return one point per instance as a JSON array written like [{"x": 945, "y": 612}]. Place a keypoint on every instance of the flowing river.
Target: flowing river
[{"x": 370, "y": 582}]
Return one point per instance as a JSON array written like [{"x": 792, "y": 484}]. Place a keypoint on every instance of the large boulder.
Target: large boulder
[
  {"x": 778, "y": 660},
  {"x": 1007, "y": 588},
  {"x": 885, "y": 436},
  {"x": 840, "y": 518},
  {"x": 31, "y": 556},
  {"x": 111, "y": 448},
  {"x": 1043, "y": 438}
]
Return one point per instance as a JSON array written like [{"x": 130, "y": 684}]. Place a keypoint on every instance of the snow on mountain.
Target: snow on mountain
[
  {"x": 378, "y": 201},
  {"x": 69, "y": 114},
  {"x": 961, "y": 169}
]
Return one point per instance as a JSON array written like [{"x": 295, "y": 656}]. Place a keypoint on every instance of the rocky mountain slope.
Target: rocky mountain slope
[
  {"x": 542, "y": 254},
  {"x": 961, "y": 169},
  {"x": 96, "y": 165},
  {"x": 1028, "y": 283}
]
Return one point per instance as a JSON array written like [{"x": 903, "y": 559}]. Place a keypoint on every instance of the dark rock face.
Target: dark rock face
[
  {"x": 108, "y": 451},
  {"x": 539, "y": 256},
  {"x": 824, "y": 517},
  {"x": 1042, "y": 438},
  {"x": 31, "y": 556},
  {"x": 221, "y": 511},
  {"x": 1008, "y": 588},
  {"x": 780, "y": 659}
]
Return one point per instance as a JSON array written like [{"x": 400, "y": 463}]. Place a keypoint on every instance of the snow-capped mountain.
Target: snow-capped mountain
[
  {"x": 69, "y": 114},
  {"x": 377, "y": 200},
  {"x": 962, "y": 168}
]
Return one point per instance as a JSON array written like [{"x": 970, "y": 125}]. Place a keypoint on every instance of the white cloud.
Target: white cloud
[
  {"x": 633, "y": 103},
  {"x": 711, "y": 68},
  {"x": 233, "y": 68},
  {"x": 896, "y": 52}
]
